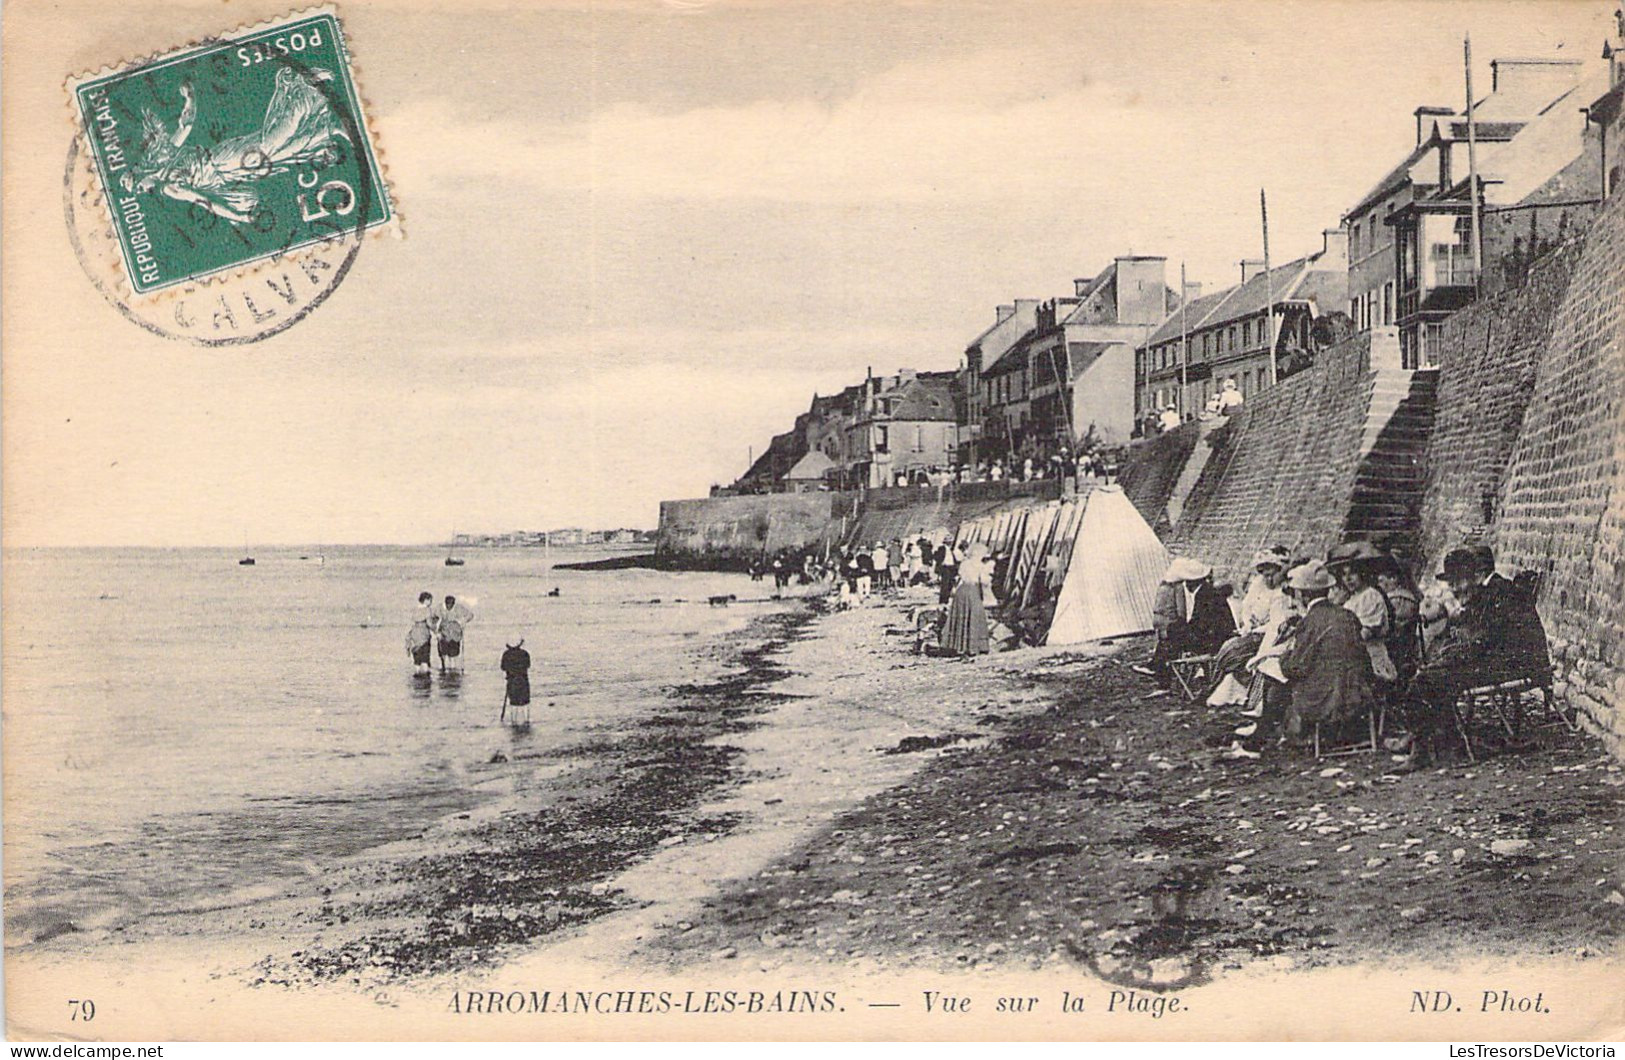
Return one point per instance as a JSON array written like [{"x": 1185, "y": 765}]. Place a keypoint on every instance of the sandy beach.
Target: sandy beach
[{"x": 834, "y": 805}]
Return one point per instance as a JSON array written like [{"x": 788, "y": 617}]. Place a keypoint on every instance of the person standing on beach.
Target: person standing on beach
[
  {"x": 421, "y": 635},
  {"x": 452, "y": 618},
  {"x": 516, "y": 666},
  {"x": 947, "y": 571},
  {"x": 965, "y": 632}
]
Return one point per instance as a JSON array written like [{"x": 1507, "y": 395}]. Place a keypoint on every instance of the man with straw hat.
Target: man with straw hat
[
  {"x": 1190, "y": 616},
  {"x": 1327, "y": 667}
]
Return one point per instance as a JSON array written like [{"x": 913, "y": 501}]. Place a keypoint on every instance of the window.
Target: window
[
  {"x": 880, "y": 440},
  {"x": 1432, "y": 339},
  {"x": 1246, "y": 333},
  {"x": 919, "y": 439},
  {"x": 1355, "y": 242},
  {"x": 1449, "y": 242},
  {"x": 1388, "y": 302},
  {"x": 1207, "y": 343}
]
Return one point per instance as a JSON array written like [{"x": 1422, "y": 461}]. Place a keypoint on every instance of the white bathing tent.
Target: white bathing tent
[{"x": 1116, "y": 562}]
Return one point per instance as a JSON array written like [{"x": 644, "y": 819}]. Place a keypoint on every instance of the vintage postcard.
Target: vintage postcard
[{"x": 770, "y": 519}]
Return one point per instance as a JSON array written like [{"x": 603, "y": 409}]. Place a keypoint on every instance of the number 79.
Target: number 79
[{"x": 81, "y": 1010}]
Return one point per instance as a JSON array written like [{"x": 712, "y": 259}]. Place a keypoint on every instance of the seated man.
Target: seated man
[
  {"x": 1191, "y": 617},
  {"x": 1314, "y": 665},
  {"x": 1327, "y": 668},
  {"x": 1497, "y": 636}
]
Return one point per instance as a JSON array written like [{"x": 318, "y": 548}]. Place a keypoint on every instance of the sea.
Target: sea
[{"x": 181, "y": 730}]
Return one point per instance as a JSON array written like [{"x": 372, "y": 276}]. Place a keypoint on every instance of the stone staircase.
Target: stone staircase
[
  {"x": 1192, "y": 470},
  {"x": 1386, "y": 502}
]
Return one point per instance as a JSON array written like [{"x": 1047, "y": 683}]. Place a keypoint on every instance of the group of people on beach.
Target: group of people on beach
[
  {"x": 962, "y": 573},
  {"x": 437, "y": 626},
  {"x": 1346, "y": 641},
  {"x": 441, "y": 626}
]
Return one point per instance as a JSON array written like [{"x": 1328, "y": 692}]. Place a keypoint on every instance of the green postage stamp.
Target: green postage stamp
[{"x": 231, "y": 152}]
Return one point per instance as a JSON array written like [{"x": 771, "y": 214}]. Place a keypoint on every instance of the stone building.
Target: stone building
[
  {"x": 905, "y": 426},
  {"x": 1011, "y": 323},
  {"x": 1411, "y": 258},
  {"x": 1070, "y": 378}
]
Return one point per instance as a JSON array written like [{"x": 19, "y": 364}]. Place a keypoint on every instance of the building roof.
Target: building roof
[
  {"x": 1105, "y": 276},
  {"x": 810, "y": 467},
  {"x": 1605, "y": 108},
  {"x": 1083, "y": 354},
  {"x": 1394, "y": 179},
  {"x": 1233, "y": 303},
  {"x": 1008, "y": 358},
  {"x": 925, "y": 397},
  {"x": 1484, "y": 130}
]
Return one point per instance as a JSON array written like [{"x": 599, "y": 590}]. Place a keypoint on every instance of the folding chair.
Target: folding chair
[
  {"x": 1374, "y": 723},
  {"x": 1192, "y": 673},
  {"x": 1506, "y": 700}
]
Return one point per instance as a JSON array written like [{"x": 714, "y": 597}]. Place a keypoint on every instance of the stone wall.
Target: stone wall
[
  {"x": 1487, "y": 363},
  {"x": 1562, "y": 501},
  {"x": 1152, "y": 468},
  {"x": 736, "y": 531},
  {"x": 1283, "y": 469}
]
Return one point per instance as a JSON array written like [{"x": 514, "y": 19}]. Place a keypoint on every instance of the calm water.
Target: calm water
[{"x": 179, "y": 728}]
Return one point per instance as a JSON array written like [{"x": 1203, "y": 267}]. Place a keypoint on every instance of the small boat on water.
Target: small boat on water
[
  {"x": 453, "y": 561},
  {"x": 246, "y": 561}
]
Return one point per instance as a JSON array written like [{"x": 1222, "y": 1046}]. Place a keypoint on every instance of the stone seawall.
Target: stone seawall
[
  {"x": 1561, "y": 508},
  {"x": 1283, "y": 469},
  {"x": 733, "y": 532},
  {"x": 1153, "y": 468},
  {"x": 1487, "y": 363}
]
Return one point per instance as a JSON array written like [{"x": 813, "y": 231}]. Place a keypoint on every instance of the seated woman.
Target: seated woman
[
  {"x": 1405, "y": 611},
  {"x": 1264, "y": 606},
  {"x": 1353, "y": 565}
]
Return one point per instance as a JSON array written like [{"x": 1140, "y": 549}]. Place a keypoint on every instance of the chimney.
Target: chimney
[
  {"x": 1423, "y": 119},
  {"x": 1251, "y": 268},
  {"x": 1539, "y": 81},
  {"x": 1142, "y": 289},
  {"x": 1003, "y": 313},
  {"x": 1334, "y": 249}
]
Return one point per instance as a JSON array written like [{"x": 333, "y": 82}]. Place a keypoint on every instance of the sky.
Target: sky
[{"x": 640, "y": 236}]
